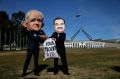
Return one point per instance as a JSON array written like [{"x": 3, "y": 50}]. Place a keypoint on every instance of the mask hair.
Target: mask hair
[
  {"x": 58, "y": 18},
  {"x": 28, "y": 13}
]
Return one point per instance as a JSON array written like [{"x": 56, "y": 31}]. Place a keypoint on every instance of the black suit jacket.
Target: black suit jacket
[
  {"x": 60, "y": 38},
  {"x": 33, "y": 39}
]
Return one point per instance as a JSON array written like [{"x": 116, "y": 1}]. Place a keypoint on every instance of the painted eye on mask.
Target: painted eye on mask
[{"x": 34, "y": 19}]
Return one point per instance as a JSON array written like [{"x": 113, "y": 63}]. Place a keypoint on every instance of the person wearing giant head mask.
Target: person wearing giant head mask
[
  {"x": 59, "y": 36},
  {"x": 35, "y": 35}
]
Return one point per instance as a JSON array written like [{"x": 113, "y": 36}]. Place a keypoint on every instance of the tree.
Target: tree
[
  {"x": 4, "y": 24},
  {"x": 16, "y": 19}
]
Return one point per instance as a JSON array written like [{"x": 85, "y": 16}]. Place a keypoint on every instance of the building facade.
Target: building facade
[{"x": 90, "y": 44}]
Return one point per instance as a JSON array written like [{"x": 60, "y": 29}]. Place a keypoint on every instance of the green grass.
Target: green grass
[{"x": 83, "y": 64}]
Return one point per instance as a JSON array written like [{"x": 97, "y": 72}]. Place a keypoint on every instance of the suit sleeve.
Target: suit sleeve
[
  {"x": 35, "y": 36},
  {"x": 60, "y": 37},
  {"x": 53, "y": 35}
]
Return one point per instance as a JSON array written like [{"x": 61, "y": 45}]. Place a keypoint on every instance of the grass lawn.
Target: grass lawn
[{"x": 83, "y": 64}]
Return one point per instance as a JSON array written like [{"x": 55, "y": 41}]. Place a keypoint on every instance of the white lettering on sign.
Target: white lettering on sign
[{"x": 50, "y": 43}]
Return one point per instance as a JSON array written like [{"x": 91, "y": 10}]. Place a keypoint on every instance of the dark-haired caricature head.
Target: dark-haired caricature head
[{"x": 59, "y": 25}]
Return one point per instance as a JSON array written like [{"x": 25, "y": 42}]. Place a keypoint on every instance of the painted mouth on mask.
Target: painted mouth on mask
[{"x": 59, "y": 27}]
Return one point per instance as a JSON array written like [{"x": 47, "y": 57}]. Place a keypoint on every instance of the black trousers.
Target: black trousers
[
  {"x": 63, "y": 60},
  {"x": 35, "y": 53}
]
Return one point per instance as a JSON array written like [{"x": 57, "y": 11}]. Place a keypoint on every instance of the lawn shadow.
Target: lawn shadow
[
  {"x": 51, "y": 69},
  {"x": 40, "y": 68},
  {"x": 116, "y": 68}
]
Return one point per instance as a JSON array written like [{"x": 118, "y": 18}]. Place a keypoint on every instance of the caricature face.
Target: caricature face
[
  {"x": 34, "y": 21},
  {"x": 59, "y": 26}
]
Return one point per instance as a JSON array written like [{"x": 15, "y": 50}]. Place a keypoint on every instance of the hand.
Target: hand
[
  {"x": 43, "y": 37},
  {"x": 54, "y": 39}
]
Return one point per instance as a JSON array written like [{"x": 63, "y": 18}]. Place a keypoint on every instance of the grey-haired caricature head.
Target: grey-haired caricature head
[{"x": 33, "y": 20}]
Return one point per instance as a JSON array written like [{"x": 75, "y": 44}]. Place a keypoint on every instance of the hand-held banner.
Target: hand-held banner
[{"x": 50, "y": 50}]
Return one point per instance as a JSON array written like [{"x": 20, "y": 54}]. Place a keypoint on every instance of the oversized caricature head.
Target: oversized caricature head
[
  {"x": 33, "y": 20},
  {"x": 59, "y": 25}
]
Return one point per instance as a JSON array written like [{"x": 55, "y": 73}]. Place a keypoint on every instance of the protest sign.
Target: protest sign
[{"x": 50, "y": 50}]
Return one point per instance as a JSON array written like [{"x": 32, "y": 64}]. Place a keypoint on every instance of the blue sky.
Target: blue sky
[{"x": 99, "y": 18}]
